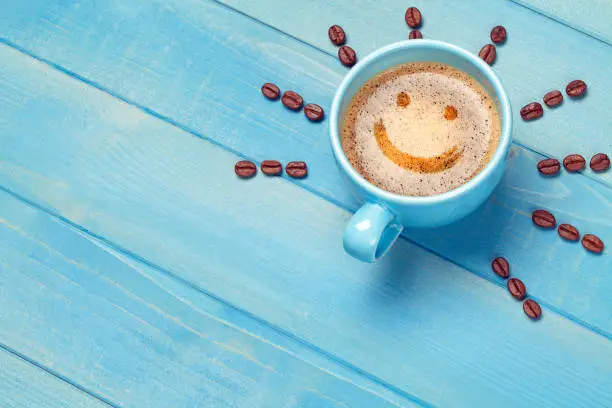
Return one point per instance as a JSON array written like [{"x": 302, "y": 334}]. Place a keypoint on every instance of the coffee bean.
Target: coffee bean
[
  {"x": 592, "y": 243},
  {"x": 553, "y": 98},
  {"x": 413, "y": 17},
  {"x": 548, "y": 167},
  {"x": 498, "y": 34},
  {"x": 568, "y": 232},
  {"x": 600, "y": 162},
  {"x": 576, "y": 89},
  {"x": 270, "y": 91},
  {"x": 517, "y": 289},
  {"x": 488, "y": 53},
  {"x": 297, "y": 169},
  {"x": 415, "y": 35},
  {"x": 402, "y": 100},
  {"x": 245, "y": 169},
  {"x": 532, "y": 111},
  {"x": 543, "y": 218},
  {"x": 271, "y": 167},
  {"x": 292, "y": 100},
  {"x": 532, "y": 309},
  {"x": 450, "y": 113},
  {"x": 501, "y": 267},
  {"x": 574, "y": 162},
  {"x": 336, "y": 35},
  {"x": 314, "y": 112},
  {"x": 347, "y": 56}
]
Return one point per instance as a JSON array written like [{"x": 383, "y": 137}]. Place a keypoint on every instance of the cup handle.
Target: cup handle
[{"x": 371, "y": 232}]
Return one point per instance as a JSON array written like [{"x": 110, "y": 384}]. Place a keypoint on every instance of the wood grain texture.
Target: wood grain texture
[
  {"x": 592, "y": 17},
  {"x": 106, "y": 324},
  {"x": 24, "y": 385},
  {"x": 414, "y": 322},
  {"x": 229, "y": 110}
]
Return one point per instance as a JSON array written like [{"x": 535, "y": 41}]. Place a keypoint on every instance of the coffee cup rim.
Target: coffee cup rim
[{"x": 497, "y": 158}]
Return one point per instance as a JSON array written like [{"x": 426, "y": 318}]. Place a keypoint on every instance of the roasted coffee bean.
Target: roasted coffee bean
[
  {"x": 576, "y": 89},
  {"x": 245, "y": 169},
  {"x": 347, "y": 56},
  {"x": 270, "y": 91},
  {"x": 271, "y": 167},
  {"x": 413, "y": 17},
  {"x": 592, "y": 243},
  {"x": 569, "y": 232},
  {"x": 415, "y": 35},
  {"x": 532, "y": 309},
  {"x": 314, "y": 112},
  {"x": 297, "y": 169},
  {"x": 548, "y": 167},
  {"x": 532, "y": 111},
  {"x": 488, "y": 53},
  {"x": 336, "y": 35},
  {"x": 402, "y": 100},
  {"x": 574, "y": 162},
  {"x": 553, "y": 98},
  {"x": 292, "y": 100},
  {"x": 498, "y": 34},
  {"x": 600, "y": 162},
  {"x": 501, "y": 267},
  {"x": 543, "y": 218},
  {"x": 517, "y": 289}
]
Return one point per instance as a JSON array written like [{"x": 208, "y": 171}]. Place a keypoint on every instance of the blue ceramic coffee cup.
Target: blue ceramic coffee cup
[{"x": 376, "y": 225}]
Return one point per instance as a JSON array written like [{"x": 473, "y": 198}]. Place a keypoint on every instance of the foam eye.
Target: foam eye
[
  {"x": 450, "y": 112},
  {"x": 403, "y": 99}
]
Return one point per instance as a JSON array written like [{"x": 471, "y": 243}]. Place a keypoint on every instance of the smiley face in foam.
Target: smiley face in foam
[{"x": 420, "y": 129}]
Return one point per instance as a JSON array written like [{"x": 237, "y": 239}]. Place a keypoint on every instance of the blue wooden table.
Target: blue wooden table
[{"x": 136, "y": 270}]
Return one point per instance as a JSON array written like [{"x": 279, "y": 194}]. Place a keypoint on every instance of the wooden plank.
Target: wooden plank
[
  {"x": 24, "y": 385},
  {"x": 414, "y": 322},
  {"x": 592, "y": 18},
  {"x": 229, "y": 110},
  {"x": 106, "y": 324}
]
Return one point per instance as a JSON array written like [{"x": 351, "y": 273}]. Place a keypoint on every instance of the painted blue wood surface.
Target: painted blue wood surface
[
  {"x": 116, "y": 331},
  {"x": 25, "y": 385},
  {"x": 414, "y": 327},
  {"x": 593, "y": 17},
  {"x": 168, "y": 47},
  {"x": 415, "y": 324}
]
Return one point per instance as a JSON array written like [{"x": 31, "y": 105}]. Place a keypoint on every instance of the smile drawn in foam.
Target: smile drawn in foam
[{"x": 414, "y": 163}]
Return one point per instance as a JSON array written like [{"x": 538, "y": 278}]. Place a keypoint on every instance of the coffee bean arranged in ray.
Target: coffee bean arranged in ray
[
  {"x": 347, "y": 56},
  {"x": 543, "y": 218},
  {"x": 501, "y": 267},
  {"x": 498, "y": 34},
  {"x": 296, "y": 169},
  {"x": 532, "y": 111},
  {"x": 600, "y": 162},
  {"x": 415, "y": 35},
  {"x": 568, "y": 232},
  {"x": 292, "y": 100},
  {"x": 245, "y": 169},
  {"x": 576, "y": 89},
  {"x": 548, "y": 167},
  {"x": 592, "y": 243},
  {"x": 413, "y": 17},
  {"x": 574, "y": 163},
  {"x": 450, "y": 113},
  {"x": 402, "y": 100},
  {"x": 517, "y": 288},
  {"x": 271, "y": 167},
  {"x": 553, "y": 98},
  {"x": 532, "y": 309},
  {"x": 270, "y": 91},
  {"x": 488, "y": 54},
  {"x": 314, "y": 112},
  {"x": 336, "y": 35}
]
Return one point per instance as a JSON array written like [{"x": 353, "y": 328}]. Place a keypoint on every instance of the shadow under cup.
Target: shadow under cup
[{"x": 381, "y": 219}]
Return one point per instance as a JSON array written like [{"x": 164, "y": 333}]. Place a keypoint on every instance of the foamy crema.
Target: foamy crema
[{"x": 411, "y": 157}]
